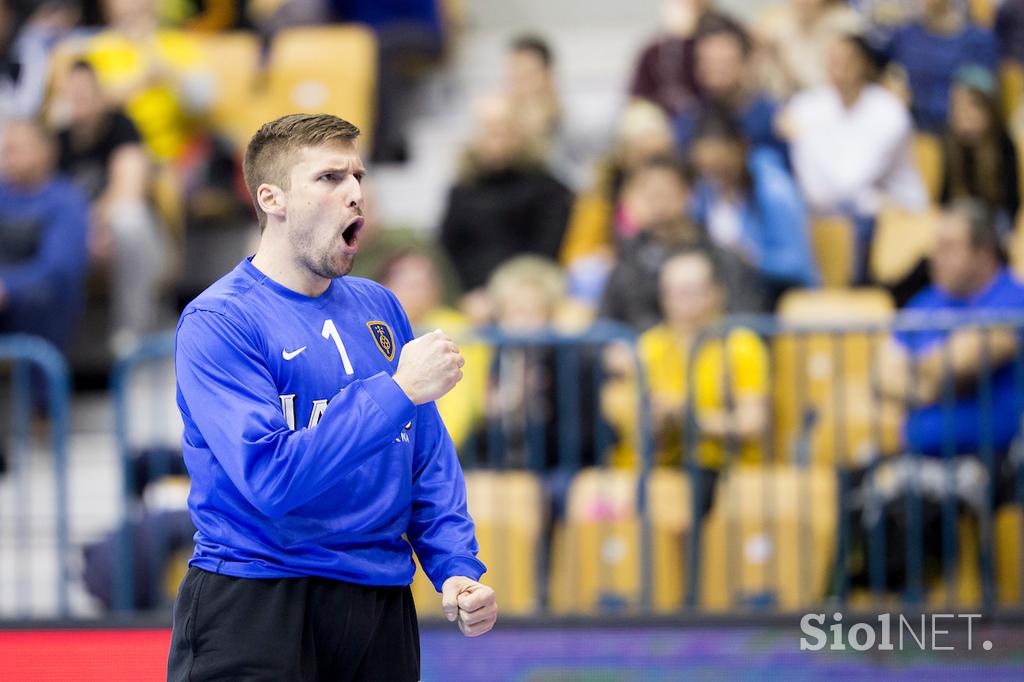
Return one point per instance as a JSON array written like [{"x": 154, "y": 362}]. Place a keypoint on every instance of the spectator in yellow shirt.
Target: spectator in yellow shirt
[
  {"x": 729, "y": 374},
  {"x": 156, "y": 75}
]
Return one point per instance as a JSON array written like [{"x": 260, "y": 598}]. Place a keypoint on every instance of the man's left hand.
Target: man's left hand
[{"x": 469, "y": 602}]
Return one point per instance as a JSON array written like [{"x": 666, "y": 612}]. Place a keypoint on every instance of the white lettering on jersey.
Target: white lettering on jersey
[
  {"x": 318, "y": 411},
  {"x": 288, "y": 407}
]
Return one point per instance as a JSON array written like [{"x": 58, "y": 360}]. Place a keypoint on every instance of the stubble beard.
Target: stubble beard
[{"x": 330, "y": 262}]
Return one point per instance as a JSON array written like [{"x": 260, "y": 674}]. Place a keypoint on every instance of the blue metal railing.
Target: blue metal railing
[
  {"x": 33, "y": 360},
  {"x": 877, "y": 549},
  {"x": 565, "y": 443},
  {"x": 158, "y": 348}
]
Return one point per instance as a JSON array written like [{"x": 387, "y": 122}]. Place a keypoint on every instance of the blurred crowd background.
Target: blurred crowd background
[
  {"x": 756, "y": 154},
  {"x": 789, "y": 140}
]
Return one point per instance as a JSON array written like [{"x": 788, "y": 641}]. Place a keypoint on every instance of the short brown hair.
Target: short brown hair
[{"x": 271, "y": 149}]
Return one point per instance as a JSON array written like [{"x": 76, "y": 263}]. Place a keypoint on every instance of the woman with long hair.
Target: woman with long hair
[{"x": 980, "y": 160}]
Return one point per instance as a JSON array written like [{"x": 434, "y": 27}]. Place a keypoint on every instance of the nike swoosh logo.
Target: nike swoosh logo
[{"x": 288, "y": 356}]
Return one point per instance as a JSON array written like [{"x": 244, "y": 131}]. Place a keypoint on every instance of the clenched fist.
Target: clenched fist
[
  {"x": 470, "y": 603},
  {"x": 429, "y": 367}
]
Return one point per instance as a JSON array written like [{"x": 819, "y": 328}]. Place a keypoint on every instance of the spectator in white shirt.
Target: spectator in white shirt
[{"x": 850, "y": 142}]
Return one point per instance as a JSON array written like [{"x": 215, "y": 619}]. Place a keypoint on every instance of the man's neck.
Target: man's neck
[{"x": 274, "y": 261}]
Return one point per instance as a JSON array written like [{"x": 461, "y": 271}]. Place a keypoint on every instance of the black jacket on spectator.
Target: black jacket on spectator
[
  {"x": 1009, "y": 28},
  {"x": 963, "y": 178},
  {"x": 631, "y": 295},
  {"x": 495, "y": 216},
  {"x": 88, "y": 165}
]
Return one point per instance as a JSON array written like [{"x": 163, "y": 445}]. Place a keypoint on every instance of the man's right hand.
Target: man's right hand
[{"x": 429, "y": 367}]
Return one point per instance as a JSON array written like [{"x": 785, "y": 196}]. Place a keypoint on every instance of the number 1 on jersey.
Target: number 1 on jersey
[{"x": 331, "y": 332}]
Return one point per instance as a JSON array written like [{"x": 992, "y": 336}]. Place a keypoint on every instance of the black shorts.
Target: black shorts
[{"x": 291, "y": 629}]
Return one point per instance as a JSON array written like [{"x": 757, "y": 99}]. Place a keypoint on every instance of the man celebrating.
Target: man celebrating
[{"x": 314, "y": 444}]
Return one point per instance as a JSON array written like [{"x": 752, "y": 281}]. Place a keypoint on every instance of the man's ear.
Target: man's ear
[{"x": 271, "y": 199}]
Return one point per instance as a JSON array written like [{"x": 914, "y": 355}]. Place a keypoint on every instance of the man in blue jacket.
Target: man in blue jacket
[
  {"x": 316, "y": 453},
  {"x": 43, "y": 232}
]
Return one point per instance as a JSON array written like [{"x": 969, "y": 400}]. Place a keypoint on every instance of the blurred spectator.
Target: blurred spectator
[
  {"x": 1009, "y": 29},
  {"x": 665, "y": 72},
  {"x": 656, "y": 196},
  {"x": 101, "y": 152},
  {"x": 931, "y": 50},
  {"x": 597, "y": 223},
  {"x": 25, "y": 45},
  {"x": 794, "y": 37},
  {"x": 731, "y": 415},
  {"x": 725, "y": 80},
  {"x": 527, "y": 394},
  {"x": 936, "y": 375},
  {"x": 270, "y": 16},
  {"x": 412, "y": 275},
  {"x": 979, "y": 154},
  {"x": 969, "y": 276},
  {"x": 530, "y": 83},
  {"x": 410, "y": 36},
  {"x": 43, "y": 230},
  {"x": 751, "y": 205},
  {"x": 156, "y": 76},
  {"x": 207, "y": 16},
  {"x": 850, "y": 143},
  {"x": 885, "y": 16},
  {"x": 505, "y": 203}
]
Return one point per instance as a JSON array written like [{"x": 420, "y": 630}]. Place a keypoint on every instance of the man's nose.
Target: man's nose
[{"x": 354, "y": 194}]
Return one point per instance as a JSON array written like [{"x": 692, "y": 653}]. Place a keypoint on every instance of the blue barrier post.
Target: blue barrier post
[
  {"x": 22, "y": 350},
  {"x": 152, "y": 348}
]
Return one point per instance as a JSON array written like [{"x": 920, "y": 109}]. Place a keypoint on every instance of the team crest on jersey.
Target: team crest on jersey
[{"x": 383, "y": 337}]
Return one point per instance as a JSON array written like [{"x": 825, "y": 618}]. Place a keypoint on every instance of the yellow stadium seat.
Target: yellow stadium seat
[
  {"x": 833, "y": 240},
  {"x": 597, "y": 555},
  {"x": 828, "y": 376},
  {"x": 1019, "y": 139},
  {"x": 769, "y": 540},
  {"x": 174, "y": 572},
  {"x": 1011, "y": 85},
  {"x": 966, "y": 583},
  {"x": 588, "y": 231},
  {"x": 322, "y": 69},
  {"x": 902, "y": 239},
  {"x": 928, "y": 158},
  {"x": 508, "y": 509},
  {"x": 234, "y": 58},
  {"x": 670, "y": 511},
  {"x": 1008, "y": 540},
  {"x": 982, "y": 12},
  {"x": 1016, "y": 246}
]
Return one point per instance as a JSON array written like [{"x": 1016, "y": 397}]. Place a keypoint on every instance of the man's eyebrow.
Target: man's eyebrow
[{"x": 342, "y": 169}]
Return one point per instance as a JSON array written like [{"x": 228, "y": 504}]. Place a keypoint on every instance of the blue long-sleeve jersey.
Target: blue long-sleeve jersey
[{"x": 306, "y": 458}]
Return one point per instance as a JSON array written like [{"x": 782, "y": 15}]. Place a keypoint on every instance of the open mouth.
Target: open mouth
[{"x": 352, "y": 231}]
